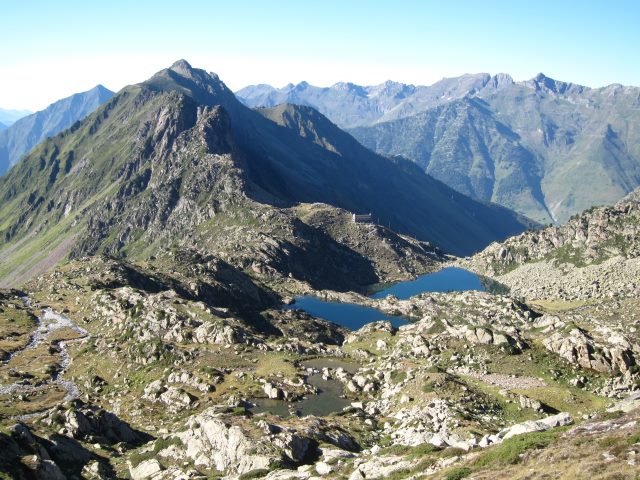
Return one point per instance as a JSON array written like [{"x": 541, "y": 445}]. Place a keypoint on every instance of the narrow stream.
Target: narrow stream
[{"x": 49, "y": 322}]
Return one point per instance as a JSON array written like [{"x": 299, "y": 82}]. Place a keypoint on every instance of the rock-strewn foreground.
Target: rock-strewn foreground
[{"x": 149, "y": 369}]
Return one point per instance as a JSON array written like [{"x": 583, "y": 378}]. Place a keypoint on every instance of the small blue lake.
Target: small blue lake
[
  {"x": 348, "y": 315},
  {"x": 451, "y": 279},
  {"x": 355, "y": 316}
]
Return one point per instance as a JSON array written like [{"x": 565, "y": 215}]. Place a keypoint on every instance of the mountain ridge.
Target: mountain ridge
[
  {"x": 530, "y": 145},
  {"x": 163, "y": 347},
  {"x": 166, "y": 160},
  {"x": 28, "y": 131},
  {"x": 9, "y": 116},
  {"x": 388, "y": 97}
]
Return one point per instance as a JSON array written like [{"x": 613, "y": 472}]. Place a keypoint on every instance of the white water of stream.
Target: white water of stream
[{"x": 49, "y": 322}]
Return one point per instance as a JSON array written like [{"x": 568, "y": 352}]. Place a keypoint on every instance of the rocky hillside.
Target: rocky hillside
[
  {"x": 152, "y": 370},
  {"x": 161, "y": 349},
  {"x": 30, "y": 130},
  {"x": 595, "y": 254},
  {"x": 531, "y": 146},
  {"x": 183, "y": 365},
  {"x": 178, "y": 161}
]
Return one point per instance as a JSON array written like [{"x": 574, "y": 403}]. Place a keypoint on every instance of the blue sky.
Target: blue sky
[{"x": 53, "y": 49}]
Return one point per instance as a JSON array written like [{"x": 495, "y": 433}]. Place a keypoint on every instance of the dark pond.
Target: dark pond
[
  {"x": 355, "y": 316},
  {"x": 328, "y": 400}
]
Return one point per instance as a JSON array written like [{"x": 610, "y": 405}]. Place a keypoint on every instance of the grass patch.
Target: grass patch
[
  {"x": 368, "y": 343},
  {"x": 412, "y": 452},
  {"x": 398, "y": 376},
  {"x": 258, "y": 473},
  {"x": 553, "y": 306},
  {"x": 633, "y": 439},
  {"x": 511, "y": 450},
  {"x": 565, "y": 399},
  {"x": 136, "y": 458},
  {"x": 16, "y": 325},
  {"x": 271, "y": 365},
  {"x": 457, "y": 473}
]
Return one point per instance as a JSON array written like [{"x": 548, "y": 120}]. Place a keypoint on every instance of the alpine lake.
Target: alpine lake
[{"x": 330, "y": 397}]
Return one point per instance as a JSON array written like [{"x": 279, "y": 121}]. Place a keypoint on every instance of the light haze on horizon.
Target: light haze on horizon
[{"x": 54, "y": 49}]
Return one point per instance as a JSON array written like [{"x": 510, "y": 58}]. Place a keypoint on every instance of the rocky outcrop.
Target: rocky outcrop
[
  {"x": 595, "y": 255},
  {"x": 578, "y": 347},
  {"x": 87, "y": 422},
  {"x": 27, "y": 456},
  {"x": 629, "y": 404},
  {"x": 226, "y": 444},
  {"x": 146, "y": 469},
  {"x": 176, "y": 399},
  {"x": 219, "y": 334},
  {"x": 273, "y": 392},
  {"x": 195, "y": 382},
  {"x": 486, "y": 336},
  {"x": 559, "y": 420},
  {"x": 24, "y": 456}
]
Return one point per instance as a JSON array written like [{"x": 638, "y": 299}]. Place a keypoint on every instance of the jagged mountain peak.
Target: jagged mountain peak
[
  {"x": 184, "y": 69},
  {"x": 500, "y": 80},
  {"x": 101, "y": 88},
  {"x": 558, "y": 87},
  {"x": 350, "y": 87},
  {"x": 391, "y": 89},
  {"x": 182, "y": 66},
  {"x": 366, "y": 105},
  {"x": 202, "y": 86}
]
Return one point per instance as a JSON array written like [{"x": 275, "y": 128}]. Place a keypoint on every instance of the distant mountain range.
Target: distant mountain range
[
  {"x": 350, "y": 105},
  {"x": 7, "y": 117},
  {"x": 179, "y": 159},
  {"x": 28, "y": 131},
  {"x": 545, "y": 148},
  {"x": 2, "y": 126}
]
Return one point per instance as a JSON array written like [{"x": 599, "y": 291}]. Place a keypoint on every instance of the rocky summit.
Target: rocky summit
[{"x": 153, "y": 260}]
